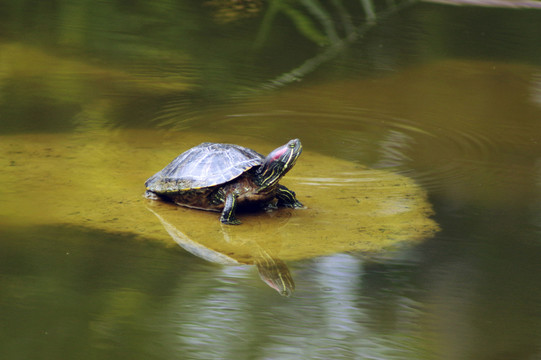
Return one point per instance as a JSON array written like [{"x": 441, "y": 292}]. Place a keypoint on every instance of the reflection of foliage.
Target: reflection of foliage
[
  {"x": 149, "y": 52},
  {"x": 303, "y": 22},
  {"x": 320, "y": 23},
  {"x": 231, "y": 10},
  {"x": 61, "y": 61},
  {"x": 335, "y": 22},
  {"x": 532, "y": 4}
]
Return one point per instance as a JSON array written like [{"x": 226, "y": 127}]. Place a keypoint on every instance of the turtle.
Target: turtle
[{"x": 218, "y": 177}]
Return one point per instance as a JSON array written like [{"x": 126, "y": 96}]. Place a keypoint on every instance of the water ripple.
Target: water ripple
[{"x": 436, "y": 154}]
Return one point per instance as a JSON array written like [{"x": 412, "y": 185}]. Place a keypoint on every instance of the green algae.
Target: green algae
[{"x": 96, "y": 181}]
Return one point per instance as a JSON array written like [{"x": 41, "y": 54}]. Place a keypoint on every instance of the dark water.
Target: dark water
[{"x": 448, "y": 96}]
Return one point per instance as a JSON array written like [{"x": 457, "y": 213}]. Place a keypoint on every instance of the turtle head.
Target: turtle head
[{"x": 278, "y": 163}]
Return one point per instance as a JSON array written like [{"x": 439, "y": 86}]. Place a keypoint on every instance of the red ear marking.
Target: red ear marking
[{"x": 278, "y": 153}]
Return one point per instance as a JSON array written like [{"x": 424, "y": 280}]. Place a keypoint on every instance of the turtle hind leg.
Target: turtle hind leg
[
  {"x": 287, "y": 198},
  {"x": 228, "y": 213}
]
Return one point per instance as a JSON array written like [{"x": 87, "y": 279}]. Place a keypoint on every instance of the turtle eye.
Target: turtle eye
[{"x": 292, "y": 146}]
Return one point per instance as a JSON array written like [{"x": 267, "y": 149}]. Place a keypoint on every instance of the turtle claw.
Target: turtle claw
[
  {"x": 287, "y": 198},
  {"x": 297, "y": 205},
  {"x": 233, "y": 221}
]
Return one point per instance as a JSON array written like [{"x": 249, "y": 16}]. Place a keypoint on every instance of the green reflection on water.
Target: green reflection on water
[
  {"x": 469, "y": 130},
  {"x": 60, "y": 298}
]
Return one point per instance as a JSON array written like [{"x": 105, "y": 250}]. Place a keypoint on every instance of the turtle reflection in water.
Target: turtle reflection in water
[
  {"x": 273, "y": 271},
  {"x": 218, "y": 177}
]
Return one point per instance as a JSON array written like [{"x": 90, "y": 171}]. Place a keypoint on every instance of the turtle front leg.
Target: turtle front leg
[
  {"x": 287, "y": 198},
  {"x": 228, "y": 213}
]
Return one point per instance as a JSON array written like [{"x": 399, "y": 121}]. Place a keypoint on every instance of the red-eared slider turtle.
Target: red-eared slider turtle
[{"x": 217, "y": 177}]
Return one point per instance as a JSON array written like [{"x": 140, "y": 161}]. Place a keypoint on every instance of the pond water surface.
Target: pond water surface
[{"x": 420, "y": 173}]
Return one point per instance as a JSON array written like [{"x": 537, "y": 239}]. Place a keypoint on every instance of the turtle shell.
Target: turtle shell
[{"x": 206, "y": 165}]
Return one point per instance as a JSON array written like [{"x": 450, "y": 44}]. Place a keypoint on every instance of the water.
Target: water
[{"x": 420, "y": 172}]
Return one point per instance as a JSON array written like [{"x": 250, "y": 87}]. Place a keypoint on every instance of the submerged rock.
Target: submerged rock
[{"x": 96, "y": 181}]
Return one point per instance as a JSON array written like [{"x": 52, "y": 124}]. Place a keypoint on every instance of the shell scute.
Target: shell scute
[{"x": 205, "y": 165}]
